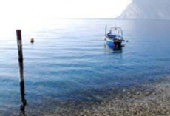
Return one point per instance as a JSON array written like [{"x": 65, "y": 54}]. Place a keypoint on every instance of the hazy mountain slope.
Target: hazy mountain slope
[{"x": 147, "y": 9}]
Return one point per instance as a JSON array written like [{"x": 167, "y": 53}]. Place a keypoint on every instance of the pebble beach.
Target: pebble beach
[{"x": 150, "y": 99}]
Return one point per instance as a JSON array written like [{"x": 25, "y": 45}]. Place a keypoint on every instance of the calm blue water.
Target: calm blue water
[{"x": 68, "y": 57}]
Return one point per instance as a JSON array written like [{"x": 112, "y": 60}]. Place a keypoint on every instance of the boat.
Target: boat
[{"x": 114, "y": 38}]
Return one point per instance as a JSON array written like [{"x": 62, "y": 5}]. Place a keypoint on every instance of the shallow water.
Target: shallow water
[{"x": 68, "y": 58}]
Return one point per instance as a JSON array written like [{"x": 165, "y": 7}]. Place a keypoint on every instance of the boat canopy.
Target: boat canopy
[{"x": 115, "y": 32}]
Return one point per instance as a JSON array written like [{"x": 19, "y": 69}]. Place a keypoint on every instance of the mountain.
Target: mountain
[{"x": 147, "y": 9}]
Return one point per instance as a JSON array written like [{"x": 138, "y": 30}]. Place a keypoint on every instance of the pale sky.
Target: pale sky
[
  {"x": 62, "y": 8},
  {"x": 21, "y": 12}
]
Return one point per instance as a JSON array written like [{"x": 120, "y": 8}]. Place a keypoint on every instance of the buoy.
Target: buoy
[{"x": 32, "y": 40}]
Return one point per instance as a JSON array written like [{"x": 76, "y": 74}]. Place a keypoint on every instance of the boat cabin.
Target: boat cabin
[{"x": 115, "y": 32}]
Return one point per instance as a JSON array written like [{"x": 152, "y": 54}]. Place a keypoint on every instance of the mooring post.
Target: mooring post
[
  {"x": 21, "y": 70},
  {"x": 19, "y": 43}
]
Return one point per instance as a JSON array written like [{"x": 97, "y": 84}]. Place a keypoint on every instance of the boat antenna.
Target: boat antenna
[{"x": 105, "y": 29}]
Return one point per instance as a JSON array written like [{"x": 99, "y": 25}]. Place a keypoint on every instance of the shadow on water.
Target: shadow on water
[{"x": 22, "y": 88}]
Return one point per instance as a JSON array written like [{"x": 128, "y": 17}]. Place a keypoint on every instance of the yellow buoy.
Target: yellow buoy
[{"x": 32, "y": 40}]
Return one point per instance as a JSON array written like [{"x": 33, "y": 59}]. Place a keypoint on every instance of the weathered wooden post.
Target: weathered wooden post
[
  {"x": 21, "y": 71},
  {"x": 19, "y": 43}
]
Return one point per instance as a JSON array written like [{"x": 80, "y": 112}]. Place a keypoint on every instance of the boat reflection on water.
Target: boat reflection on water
[
  {"x": 112, "y": 50},
  {"x": 22, "y": 87}
]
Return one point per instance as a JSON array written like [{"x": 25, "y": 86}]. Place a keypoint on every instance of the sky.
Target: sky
[
  {"x": 26, "y": 12},
  {"x": 62, "y": 8}
]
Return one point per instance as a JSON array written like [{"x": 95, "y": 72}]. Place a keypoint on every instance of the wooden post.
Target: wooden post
[
  {"x": 22, "y": 86},
  {"x": 19, "y": 43},
  {"x": 21, "y": 71}
]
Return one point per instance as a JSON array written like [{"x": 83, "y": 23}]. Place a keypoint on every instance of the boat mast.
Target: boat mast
[{"x": 105, "y": 29}]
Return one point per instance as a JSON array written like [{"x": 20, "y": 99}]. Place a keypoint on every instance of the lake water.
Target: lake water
[{"x": 69, "y": 58}]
